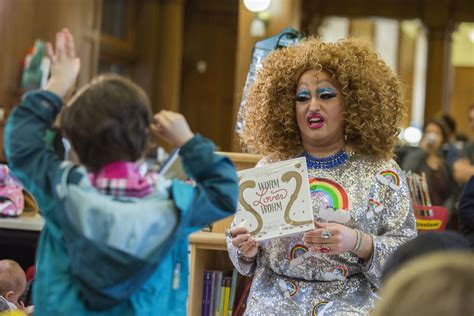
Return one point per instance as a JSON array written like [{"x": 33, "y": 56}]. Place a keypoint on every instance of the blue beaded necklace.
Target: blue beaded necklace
[{"x": 328, "y": 162}]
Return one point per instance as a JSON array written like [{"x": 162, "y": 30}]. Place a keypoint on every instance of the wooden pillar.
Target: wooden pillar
[
  {"x": 406, "y": 63},
  {"x": 439, "y": 70},
  {"x": 362, "y": 28},
  {"x": 149, "y": 48},
  {"x": 283, "y": 13},
  {"x": 437, "y": 18},
  {"x": 170, "y": 51}
]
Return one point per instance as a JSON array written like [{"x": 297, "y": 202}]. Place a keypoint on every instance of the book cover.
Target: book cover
[
  {"x": 212, "y": 292},
  {"x": 215, "y": 292},
  {"x": 274, "y": 200},
  {"x": 233, "y": 287},
  {"x": 228, "y": 281},
  {"x": 173, "y": 167},
  {"x": 221, "y": 298},
  {"x": 205, "y": 292}
]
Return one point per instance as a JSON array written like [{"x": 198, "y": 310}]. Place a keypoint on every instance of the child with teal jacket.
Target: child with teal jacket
[{"x": 115, "y": 240}]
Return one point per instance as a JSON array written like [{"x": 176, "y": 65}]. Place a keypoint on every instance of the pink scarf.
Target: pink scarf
[{"x": 123, "y": 178}]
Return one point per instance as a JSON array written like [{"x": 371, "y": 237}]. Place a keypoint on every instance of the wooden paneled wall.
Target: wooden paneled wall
[
  {"x": 462, "y": 98},
  {"x": 24, "y": 21},
  {"x": 406, "y": 68},
  {"x": 208, "y": 68}
]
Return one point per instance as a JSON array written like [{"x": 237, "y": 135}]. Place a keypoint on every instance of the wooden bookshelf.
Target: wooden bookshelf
[
  {"x": 209, "y": 249},
  {"x": 208, "y": 252}
]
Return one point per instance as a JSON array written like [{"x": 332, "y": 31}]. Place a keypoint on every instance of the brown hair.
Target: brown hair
[
  {"x": 12, "y": 277},
  {"x": 435, "y": 284},
  {"x": 441, "y": 125},
  {"x": 372, "y": 95},
  {"x": 107, "y": 121}
]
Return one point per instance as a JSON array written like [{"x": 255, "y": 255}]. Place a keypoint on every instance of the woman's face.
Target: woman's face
[
  {"x": 319, "y": 110},
  {"x": 433, "y": 135}
]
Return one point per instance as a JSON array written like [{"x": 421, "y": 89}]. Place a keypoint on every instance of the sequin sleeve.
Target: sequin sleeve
[
  {"x": 394, "y": 229},
  {"x": 241, "y": 266}
]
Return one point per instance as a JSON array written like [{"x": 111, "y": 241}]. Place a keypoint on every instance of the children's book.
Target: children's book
[
  {"x": 274, "y": 200},
  {"x": 227, "y": 283},
  {"x": 207, "y": 284},
  {"x": 219, "y": 311},
  {"x": 173, "y": 167},
  {"x": 233, "y": 287},
  {"x": 216, "y": 291}
]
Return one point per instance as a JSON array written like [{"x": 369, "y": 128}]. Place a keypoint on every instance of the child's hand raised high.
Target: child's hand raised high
[
  {"x": 64, "y": 64},
  {"x": 172, "y": 128}
]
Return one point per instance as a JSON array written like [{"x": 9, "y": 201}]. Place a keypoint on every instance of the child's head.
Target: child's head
[
  {"x": 108, "y": 120},
  {"x": 12, "y": 280}
]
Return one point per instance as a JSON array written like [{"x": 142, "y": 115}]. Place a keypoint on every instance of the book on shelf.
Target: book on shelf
[
  {"x": 219, "y": 312},
  {"x": 227, "y": 282},
  {"x": 207, "y": 283},
  {"x": 418, "y": 189},
  {"x": 216, "y": 292},
  {"x": 274, "y": 200},
  {"x": 220, "y": 292},
  {"x": 233, "y": 288}
]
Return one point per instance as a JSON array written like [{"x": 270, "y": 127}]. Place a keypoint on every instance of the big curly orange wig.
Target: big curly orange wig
[{"x": 372, "y": 95}]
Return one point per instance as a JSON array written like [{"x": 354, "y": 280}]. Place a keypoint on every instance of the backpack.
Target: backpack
[{"x": 12, "y": 201}]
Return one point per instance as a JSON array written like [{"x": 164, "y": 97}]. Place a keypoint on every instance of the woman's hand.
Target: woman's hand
[
  {"x": 64, "y": 64},
  {"x": 172, "y": 127},
  {"x": 333, "y": 238},
  {"x": 243, "y": 242},
  {"x": 339, "y": 238}
]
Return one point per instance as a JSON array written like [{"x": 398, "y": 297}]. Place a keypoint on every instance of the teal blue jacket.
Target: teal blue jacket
[{"x": 99, "y": 255}]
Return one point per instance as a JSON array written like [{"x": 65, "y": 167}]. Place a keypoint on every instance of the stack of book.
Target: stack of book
[
  {"x": 220, "y": 293},
  {"x": 418, "y": 186}
]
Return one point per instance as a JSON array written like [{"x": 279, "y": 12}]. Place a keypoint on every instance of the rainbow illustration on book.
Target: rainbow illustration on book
[
  {"x": 375, "y": 207},
  {"x": 335, "y": 199},
  {"x": 389, "y": 178},
  {"x": 321, "y": 307}
]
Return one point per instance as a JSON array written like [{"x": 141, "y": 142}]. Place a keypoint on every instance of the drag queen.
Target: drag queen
[{"x": 340, "y": 106}]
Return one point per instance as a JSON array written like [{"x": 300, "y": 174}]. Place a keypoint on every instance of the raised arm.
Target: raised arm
[
  {"x": 25, "y": 147},
  {"x": 215, "y": 194}
]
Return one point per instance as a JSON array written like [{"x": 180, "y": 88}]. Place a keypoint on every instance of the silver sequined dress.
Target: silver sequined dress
[{"x": 376, "y": 196}]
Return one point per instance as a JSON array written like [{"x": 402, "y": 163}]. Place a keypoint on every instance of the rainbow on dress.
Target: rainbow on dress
[
  {"x": 298, "y": 250},
  {"x": 331, "y": 191},
  {"x": 339, "y": 270},
  {"x": 374, "y": 207},
  {"x": 319, "y": 309},
  {"x": 389, "y": 178},
  {"x": 374, "y": 203},
  {"x": 292, "y": 287}
]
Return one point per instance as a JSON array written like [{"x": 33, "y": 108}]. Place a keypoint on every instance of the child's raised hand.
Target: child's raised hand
[
  {"x": 172, "y": 128},
  {"x": 64, "y": 64}
]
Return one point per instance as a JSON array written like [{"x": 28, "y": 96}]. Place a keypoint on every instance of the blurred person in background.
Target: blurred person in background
[
  {"x": 463, "y": 167},
  {"x": 434, "y": 284},
  {"x": 452, "y": 147},
  {"x": 466, "y": 212},
  {"x": 428, "y": 159},
  {"x": 423, "y": 244}
]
